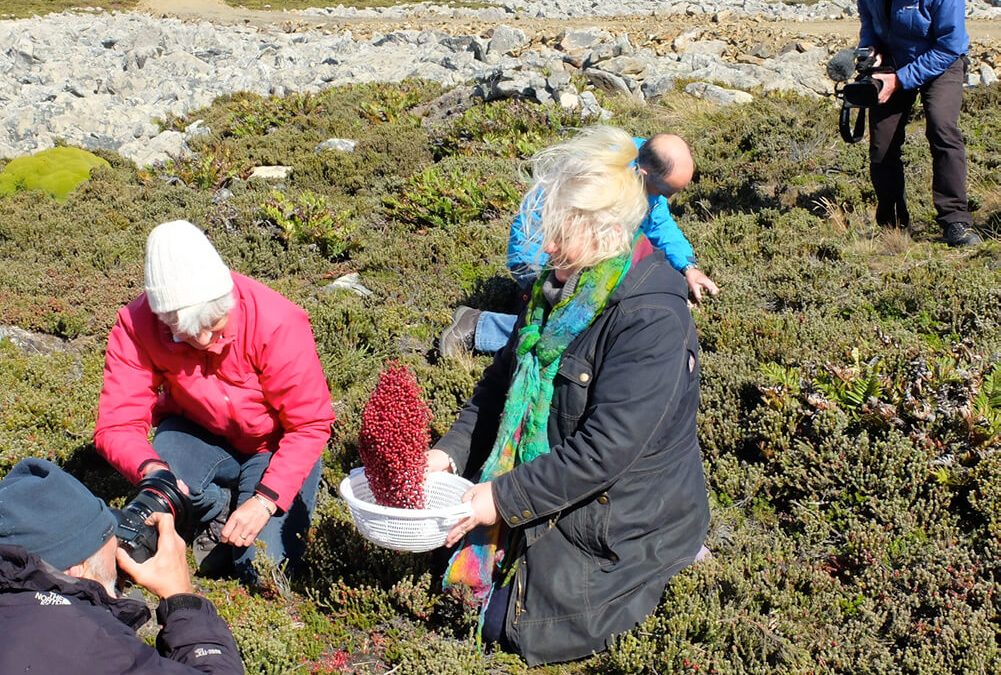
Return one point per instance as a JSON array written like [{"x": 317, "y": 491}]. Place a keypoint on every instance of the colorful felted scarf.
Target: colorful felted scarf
[{"x": 522, "y": 435}]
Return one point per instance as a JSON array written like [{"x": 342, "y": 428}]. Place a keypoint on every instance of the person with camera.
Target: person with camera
[
  {"x": 59, "y": 607},
  {"x": 227, "y": 371},
  {"x": 924, "y": 44}
]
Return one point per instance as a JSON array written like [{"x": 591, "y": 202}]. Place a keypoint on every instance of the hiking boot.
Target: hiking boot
[
  {"x": 212, "y": 557},
  {"x": 961, "y": 234},
  {"x": 459, "y": 335}
]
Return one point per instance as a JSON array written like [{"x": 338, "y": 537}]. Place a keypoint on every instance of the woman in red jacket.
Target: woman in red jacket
[{"x": 227, "y": 371}]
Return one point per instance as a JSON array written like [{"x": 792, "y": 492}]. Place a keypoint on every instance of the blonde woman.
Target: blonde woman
[{"x": 581, "y": 434}]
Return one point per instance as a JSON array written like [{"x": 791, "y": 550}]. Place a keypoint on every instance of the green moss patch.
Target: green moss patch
[{"x": 57, "y": 171}]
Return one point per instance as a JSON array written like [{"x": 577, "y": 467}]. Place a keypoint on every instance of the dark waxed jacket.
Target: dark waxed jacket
[
  {"x": 619, "y": 504},
  {"x": 54, "y": 624}
]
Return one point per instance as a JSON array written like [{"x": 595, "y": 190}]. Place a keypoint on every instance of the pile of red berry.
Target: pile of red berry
[{"x": 395, "y": 435}]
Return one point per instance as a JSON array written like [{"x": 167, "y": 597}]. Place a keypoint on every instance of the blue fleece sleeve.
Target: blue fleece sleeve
[
  {"x": 951, "y": 41},
  {"x": 664, "y": 233},
  {"x": 524, "y": 244},
  {"x": 867, "y": 34}
]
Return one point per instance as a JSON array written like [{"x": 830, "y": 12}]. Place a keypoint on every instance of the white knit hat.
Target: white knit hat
[{"x": 183, "y": 268}]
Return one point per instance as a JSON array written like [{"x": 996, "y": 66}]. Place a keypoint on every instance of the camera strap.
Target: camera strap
[{"x": 848, "y": 133}]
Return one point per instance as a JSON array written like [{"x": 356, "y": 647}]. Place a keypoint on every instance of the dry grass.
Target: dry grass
[
  {"x": 21, "y": 9},
  {"x": 284, "y": 5}
]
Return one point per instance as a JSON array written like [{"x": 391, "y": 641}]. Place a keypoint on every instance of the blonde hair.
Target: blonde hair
[{"x": 590, "y": 197}]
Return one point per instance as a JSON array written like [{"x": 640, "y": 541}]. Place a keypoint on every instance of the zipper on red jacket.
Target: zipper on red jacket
[{"x": 233, "y": 417}]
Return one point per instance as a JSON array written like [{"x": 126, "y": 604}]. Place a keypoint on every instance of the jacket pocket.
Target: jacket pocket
[
  {"x": 910, "y": 22},
  {"x": 571, "y": 386},
  {"x": 588, "y": 530}
]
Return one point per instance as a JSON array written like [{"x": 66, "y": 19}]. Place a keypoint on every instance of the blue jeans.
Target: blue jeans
[
  {"x": 207, "y": 464},
  {"x": 493, "y": 330}
]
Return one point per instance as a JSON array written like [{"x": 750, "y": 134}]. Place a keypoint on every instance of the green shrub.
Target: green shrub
[
  {"x": 454, "y": 193},
  {"x": 309, "y": 218}
]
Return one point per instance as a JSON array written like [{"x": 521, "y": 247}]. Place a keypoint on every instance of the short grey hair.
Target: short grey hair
[{"x": 191, "y": 321}]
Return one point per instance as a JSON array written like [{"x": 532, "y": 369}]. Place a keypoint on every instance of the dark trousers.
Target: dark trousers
[
  {"x": 942, "y": 99},
  {"x": 206, "y": 464}
]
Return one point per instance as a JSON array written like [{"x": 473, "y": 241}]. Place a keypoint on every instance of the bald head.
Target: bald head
[{"x": 666, "y": 163}]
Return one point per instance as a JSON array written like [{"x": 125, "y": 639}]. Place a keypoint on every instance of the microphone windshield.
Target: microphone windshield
[{"x": 842, "y": 65}]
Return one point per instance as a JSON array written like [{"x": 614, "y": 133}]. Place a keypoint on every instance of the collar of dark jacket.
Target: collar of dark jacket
[{"x": 23, "y": 572}]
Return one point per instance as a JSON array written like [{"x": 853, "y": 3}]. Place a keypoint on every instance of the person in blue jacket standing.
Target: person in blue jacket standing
[
  {"x": 666, "y": 164},
  {"x": 925, "y": 42}
]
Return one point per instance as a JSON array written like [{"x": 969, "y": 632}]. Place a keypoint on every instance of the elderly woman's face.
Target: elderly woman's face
[{"x": 206, "y": 336}]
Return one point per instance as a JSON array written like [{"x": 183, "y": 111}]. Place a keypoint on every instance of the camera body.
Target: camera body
[
  {"x": 860, "y": 93},
  {"x": 158, "y": 492},
  {"x": 864, "y": 91}
]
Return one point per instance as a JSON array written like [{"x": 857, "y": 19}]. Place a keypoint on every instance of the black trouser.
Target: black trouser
[{"x": 942, "y": 99}]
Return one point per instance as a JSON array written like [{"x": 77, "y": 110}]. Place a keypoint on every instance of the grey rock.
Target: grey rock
[
  {"x": 608, "y": 82},
  {"x": 337, "y": 145},
  {"x": 164, "y": 146},
  {"x": 502, "y": 84},
  {"x": 579, "y": 41},
  {"x": 350, "y": 282},
  {"x": 505, "y": 40},
  {"x": 568, "y": 100},
  {"x": 541, "y": 95},
  {"x": 34, "y": 343},
  {"x": 450, "y": 104},
  {"x": 711, "y": 47},
  {"x": 609, "y": 50},
  {"x": 460, "y": 43},
  {"x": 222, "y": 195},
  {"x": 590, "y": 106},
  {"x": 196, "y": 129},
  {"x": 987, "y": 74},
  {"x": 681, "y": 43},
  {"x": 558, "y": 80},
  {"x": 270, "y": 172},
  {"x": 718, "y": 95},
  {"x": 627, "y": 66},
  {"x": 657, "y": 86}
]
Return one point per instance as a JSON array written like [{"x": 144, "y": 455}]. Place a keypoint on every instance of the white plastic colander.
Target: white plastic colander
[{"x": 414, "y": 530}]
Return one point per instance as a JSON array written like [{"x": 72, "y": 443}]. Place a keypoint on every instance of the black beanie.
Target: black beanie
[{"x": 51, "y": 514}]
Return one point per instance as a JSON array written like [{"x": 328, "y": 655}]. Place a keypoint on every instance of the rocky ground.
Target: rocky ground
[{"x": 102, "y": 80}]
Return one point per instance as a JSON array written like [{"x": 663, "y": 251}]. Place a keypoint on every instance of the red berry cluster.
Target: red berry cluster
[{"x": 395, "y": 435}]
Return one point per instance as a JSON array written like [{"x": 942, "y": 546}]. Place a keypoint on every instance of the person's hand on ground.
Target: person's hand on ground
[
  {"x": 166, "y": 573},
  {"x": 481, "y": 498},
  {"x": 245, "y": 523},
  {"x": 699, "y": 283}
]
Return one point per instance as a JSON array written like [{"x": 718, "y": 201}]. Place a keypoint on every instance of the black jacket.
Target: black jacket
[
  {"x": 54, "y": 624},
  {"x": 619, "y": 504}
]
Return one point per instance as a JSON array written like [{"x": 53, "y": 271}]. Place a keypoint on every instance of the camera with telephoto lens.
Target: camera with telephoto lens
[
  {"x": 861, "y": 93},
  {"x": 158, "y": 492}
]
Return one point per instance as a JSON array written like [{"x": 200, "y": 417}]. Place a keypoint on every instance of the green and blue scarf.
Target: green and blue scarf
[{"x": 523, "y": 433}]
